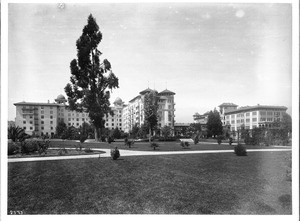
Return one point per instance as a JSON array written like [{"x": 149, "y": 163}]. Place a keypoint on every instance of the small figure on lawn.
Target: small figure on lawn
[{"x": 115, "y": 154}]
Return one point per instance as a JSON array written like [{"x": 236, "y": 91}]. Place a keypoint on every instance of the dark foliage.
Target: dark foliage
[
  {"x": 89, "y": 88},
  {"x": 154, "y": 145},
  {"x": 240, "y": 150},
  {"x": 115, "y": 154},
  {"x": 214, "y": 124},
  {"x": 17, "y": 134}
]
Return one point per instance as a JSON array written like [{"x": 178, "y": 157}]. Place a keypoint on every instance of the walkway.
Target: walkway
[{"x": 125, "y": 153}]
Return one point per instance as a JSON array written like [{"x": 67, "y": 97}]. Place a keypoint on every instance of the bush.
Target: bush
[
  {"x": 43, "y": 146},
  {"x": 88, "y": 150},
  {"x": 13, "y": 148},
  {"x": 184, "y": 144},
  {"x": 196, "y": 140},
  {"x": 240, "y": 150},
  {"x": 219, "y": 139},
  {"x": 62, "y": 151},
  {"x": 115, "y": 154},
  {"x": 28, "y": 147},
  {"x": 230, "y": 140},
  {"x": 154, "y": 145},
  {"x": 110, "y": 139}
]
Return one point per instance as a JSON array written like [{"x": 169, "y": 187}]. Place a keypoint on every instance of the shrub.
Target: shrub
[
  {"x": 82, "y": 138},
  {"x": 103, "y": 139},
  {"x": 184, "y": 144},
  {"x": 110, "y": 139},
  {"x": 128, "y": 143},
  {"x": 28, "y": 147},
  {"x": 62, "y": 151},
  {"x": 88, "y": 150},
  {"x": 115, "y": 154},
  {"x": 196, "y": 140},
  {"x": 43, "y": 146},
  {"x": 154, "y": 145},
  {"x": 230, "y": 140},
  {"x": 219, "y": 139},
  {"x": 13, "y": 148},
  {"x": 240, "y": 150}
]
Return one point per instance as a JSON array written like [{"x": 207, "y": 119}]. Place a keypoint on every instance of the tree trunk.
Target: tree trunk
[
  {"x": 149, "y": 135},
  {"x": 97, "y": 133}
]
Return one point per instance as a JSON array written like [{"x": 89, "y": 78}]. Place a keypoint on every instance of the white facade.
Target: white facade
[{"x": 254, "y": 116}]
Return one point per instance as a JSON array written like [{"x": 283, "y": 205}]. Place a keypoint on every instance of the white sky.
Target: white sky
[{"x": 206, "y": 53}]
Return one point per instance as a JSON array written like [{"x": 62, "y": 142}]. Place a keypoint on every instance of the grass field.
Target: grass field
[
  {"x": 220, "y": 183},
  {"x": 163, "y": 146}
]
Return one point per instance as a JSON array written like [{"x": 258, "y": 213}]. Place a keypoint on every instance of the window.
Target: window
[
  {"x": 112, "y": 124},
  {"x": 42, "y": 108},
  {"x": 42, "y": 112},
  {"x": 238, "y": 121},
  {"x": 24, "y": 128},
  {"x": 233, "y": 122},
  {"x": 247, "y": 114},
  {"x": 42, "y": 117},
  {"x": 254, "y": 119},
  {"x": 30, "y": 117},
  {"x": 51, "y": 128},
  {"x": 77, "y": 124},
  {"x": 262, "y": 119},
  {"x": 24, "y": 116},
  {"x": 247, "y": 120},
  {"x": 51, "y": 122},
  {"x": 31, "y": 128},
  {"x": 69, "y": 114},
  {"x": 42, "y": 128},
  {"x": 262, "y": 113},
  {"x": 24, "y": 122},
  {"x": 31, "y": 122},
  {"x": 242, "y": 120},
  {"x": 106, "y": 124},
  {"x": 51, "y": 117},
  {"x": 69, "y": 119},
  {"x": 254, "y": 113},
  {"x": 51, "y": 112},
  {"x": 77, "y": 115},
  {"x": 112, "y": 119},
  {"x": 77, "y": 119},
  {"x": 42, "y": 122},
  {"x": 51, "y": 107},
  {"x": 269, "y": 113},
  {"x": 69, "y": 124},
  {"x": 120, "y": 124},
  {"x": 82, "y": 119}
]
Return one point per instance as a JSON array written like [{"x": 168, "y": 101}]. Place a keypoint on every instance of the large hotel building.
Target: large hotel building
[
  {"x": 42, "y": 118},
  {"x": 249, "y": 117}
]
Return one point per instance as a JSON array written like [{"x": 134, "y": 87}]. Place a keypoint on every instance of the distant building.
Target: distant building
[
  {"x": 201, "y": 118},
  {"x": 43, "y": 118},
  {"x": 133, "y": 113},
  {"x": 180, "y": 129},
  {"x": 250, "y": 117}
]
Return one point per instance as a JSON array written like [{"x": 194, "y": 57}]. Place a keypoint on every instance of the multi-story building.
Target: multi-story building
[
  {"x": 42, "y": 118},
  {"x": 201, "y": 118},
  {"x": 133, "y": 113},
  {"x": 250, "y": 117}
]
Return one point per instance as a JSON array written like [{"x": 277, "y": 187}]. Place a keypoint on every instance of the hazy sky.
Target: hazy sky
[{"x": 206, "y": 53}]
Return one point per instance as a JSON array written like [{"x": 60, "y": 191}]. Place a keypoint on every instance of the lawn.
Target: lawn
[
  {"x": 163, "y": 146},
  {"x": 219, "y": 183}
]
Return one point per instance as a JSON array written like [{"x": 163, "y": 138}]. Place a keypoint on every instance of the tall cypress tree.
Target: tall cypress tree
[{"x": 91, "y": 80}]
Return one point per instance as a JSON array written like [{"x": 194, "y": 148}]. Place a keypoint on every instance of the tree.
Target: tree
[
  {"x": 60, "y": 128},
  {"x": 214, "y": 123},
  {"x": 17, "y": 134},
  {"x": 150, "y": 108},
  {"x": 115, "y": 133},
  {"x": 134, "y": 131},
  {"x": 91, "y": 81},
  {"x": 166, "y": 131},
  {"x": 286, "y": 122},
  {"x": 143, "y": 131}
]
